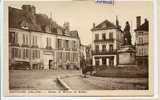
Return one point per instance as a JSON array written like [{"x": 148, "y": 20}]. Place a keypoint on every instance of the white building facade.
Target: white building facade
[
  {"x": 106, "y": 40},
  {"x": 35, "y": 45}
]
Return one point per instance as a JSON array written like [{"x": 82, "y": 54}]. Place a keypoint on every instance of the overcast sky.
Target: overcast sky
[{"x": 81, "y": 15}]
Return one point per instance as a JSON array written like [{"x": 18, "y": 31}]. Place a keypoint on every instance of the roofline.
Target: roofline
[
  {"x": 45, "y": 33},
  {"x": 140, "y": 30},
  {"x": 106, "y": 29}
]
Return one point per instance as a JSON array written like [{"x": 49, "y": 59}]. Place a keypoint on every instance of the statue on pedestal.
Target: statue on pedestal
[{"x": 127, "y": 34}]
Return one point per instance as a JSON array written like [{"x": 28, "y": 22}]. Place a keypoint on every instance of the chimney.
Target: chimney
[
  {"x": 66, "y": 26},
  {"x": 29, "y": 8},
  {"x": 138, "y": 21},
  {"x": 33, "y": 9},
  {"x": 26, "y": 8},
  {"x": 94, "y": 25}
]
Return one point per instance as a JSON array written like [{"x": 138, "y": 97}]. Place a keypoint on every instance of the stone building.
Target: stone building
[
  {"x": 142, "y": 33},
  {"x": 38, "y": 42},
  {"x": 106, "y": 40}
]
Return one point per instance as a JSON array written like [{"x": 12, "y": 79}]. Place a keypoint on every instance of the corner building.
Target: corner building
[
  {"x": 106, "y": 40},
  {"x": 38, "y": 42}
]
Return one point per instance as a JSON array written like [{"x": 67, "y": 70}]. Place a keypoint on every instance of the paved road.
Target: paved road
[
  {"x": 47, "y": 80},
  {"x": 79, "y": 83},
  {"x": 37, "y": 79},
  {"x": 106, "y": 83}
]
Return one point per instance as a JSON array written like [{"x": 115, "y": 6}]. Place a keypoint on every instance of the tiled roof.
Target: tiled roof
[
  {"x": 17, "y": 17},
  {"x": 35, "y": 22},
  {"x": 144, "y": 26},
  {"x": 104, "y": 25}
]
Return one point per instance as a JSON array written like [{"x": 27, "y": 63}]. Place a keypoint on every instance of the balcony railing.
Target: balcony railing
[
  {"x": 74, "y": 49},
  {"x": 104, "y": 40},
  {"x": 48, "y": 47},
  {"x": 14, "y": 44},
  {"x": 34, "y": 46},
  {"x": 104, "y": 52},
  {"x": 67, "y": 49},
  {"x": 60, "y": 48}
]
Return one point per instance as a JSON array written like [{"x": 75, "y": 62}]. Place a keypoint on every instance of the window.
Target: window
[
  {"x": 12, "y": 54},
  {"x": 24, "y": 54},
  {"x": 23, "y": 38},
  {"x": 111, "y": 61},
  {"x": 16, "y": 52},
  {"x": 71, "y": 57},
  {"x": 97, "y": 47},
  {"x": 110, "y": 47},
  {"x": 142, "y": 51},
  {"x": 74, "y": 45},
  {"x": 48, "y": 42},
  {"x": 96, "y": 36},
  {"x": 19, "y": 53},
  {"x": 68, "y": 56},
  {"x": 27, "y": 39},
  {"x": 35, "y": 54},
  {"x": 67, "y": 44},
  {"x": 110, "y": 35},
  {"x": 97, "y": 62},
  {"x": 13, "y": 37},
  {"x": 103, "y": 47},
  {"x": 27, "y": 53},
  {"x": 60, "y": 55},
  {"x": 59, "y": 43},
  {"x": 140, "y": 40},
  {"x": 103, "y": 36},
  {"x": 75, "y": 57},
  {"x": 35, "y": 40},
  {"x": 104, "y": 61}
]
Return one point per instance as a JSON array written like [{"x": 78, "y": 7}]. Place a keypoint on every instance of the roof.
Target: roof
[
  {"x": 104, "y": 26},
  {"x": 34, "y": 22},
  {"x": 144, "y": 26},
  {"x": 18, "y": 16},
  {"x": 74, "y": 34}
]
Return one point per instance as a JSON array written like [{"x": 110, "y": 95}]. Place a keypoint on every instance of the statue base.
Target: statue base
[{"x": 126, "y": 56}]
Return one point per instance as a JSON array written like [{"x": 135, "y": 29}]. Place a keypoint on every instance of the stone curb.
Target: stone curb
[{"x": 64, "y": 85}]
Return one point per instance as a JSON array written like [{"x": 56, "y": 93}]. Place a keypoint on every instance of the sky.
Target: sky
[{"x": 82, "y": 14}]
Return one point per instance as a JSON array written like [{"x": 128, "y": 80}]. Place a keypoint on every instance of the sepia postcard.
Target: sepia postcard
[{"x": 78, "y": 48}]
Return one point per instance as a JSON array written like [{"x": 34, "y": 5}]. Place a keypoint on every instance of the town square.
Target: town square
[{"x": 65, "y": 49}]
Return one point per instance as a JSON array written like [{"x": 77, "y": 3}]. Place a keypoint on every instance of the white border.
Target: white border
[{"x": 156, "y": 95}]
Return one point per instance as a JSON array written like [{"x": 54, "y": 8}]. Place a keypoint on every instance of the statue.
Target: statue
[{"x": 127, "y": 34}]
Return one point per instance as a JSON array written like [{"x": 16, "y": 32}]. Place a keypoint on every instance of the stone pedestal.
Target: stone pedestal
[{"x": 126, "y": 56}]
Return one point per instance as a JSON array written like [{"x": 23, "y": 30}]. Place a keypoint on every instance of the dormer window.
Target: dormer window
[
  {"x": 24, "y": 25},
  {"x": 103, "y": 25}
]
